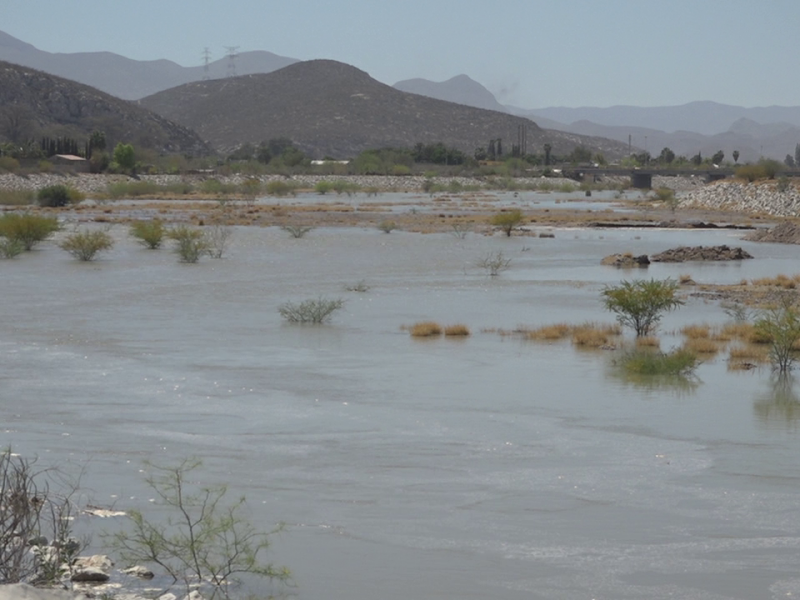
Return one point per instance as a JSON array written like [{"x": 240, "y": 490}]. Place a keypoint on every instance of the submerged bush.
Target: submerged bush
[
  {"x": 84, "y": 245},
  {"x": 317, "y": 310},
  {"x": 27, "y": 229},
  {"x": 425, "y": 329},
  {"x": 10, "y": 248},
  {"x": 190, "y": 243},
  {"x": 149, "y": 233},
  {"x": 646, "y": 362},
  {"x": 54, "y": 196}
]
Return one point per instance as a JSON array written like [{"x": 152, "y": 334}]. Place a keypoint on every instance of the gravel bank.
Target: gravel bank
[{"x": 762, "y": 198}]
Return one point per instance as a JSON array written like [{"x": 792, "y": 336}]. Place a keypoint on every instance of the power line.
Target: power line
[
  {"x": 206, "y": 62},
  {"x": 231, "y": 72}
]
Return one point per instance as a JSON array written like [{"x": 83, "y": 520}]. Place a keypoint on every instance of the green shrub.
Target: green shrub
[
  {"x": 387, "y": 226},
  {"x": 646, "y": 362},
  {"x": 317, "y": 310},
  {"x": 7, "y": 163},
  {"x": 54, "y": 196},
  {"x": 84, "y": 245},
  {"x": 780, "y": 327},
  {"x": 10, "y": 248},
  {"x": 45, "y": 166},
  {"x": 27, "y": 229},
  {"x": 342, "y": 186},
  {"x": 401, "y": 170},
  {"x": 323, "y": 187},
  {"x": 507, "y": 220},
  {"x": 280, "y": 188},
  {"x": 17, "y": 197},
  {"x": 190, "y": 243},
  {"x": 148, "y": 233},
  {"x": 640, "y": 304},
  {"x": 132, "y": 189}
]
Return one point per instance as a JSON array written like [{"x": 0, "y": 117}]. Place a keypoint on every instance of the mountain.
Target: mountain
[
  {"x": 35, "y": 104},
  {"x": 330, "y": 108},
  {"x": 126, "y": 78},
  {"x": 707, "y": 118},
  {"x": 459, "y": 89}
]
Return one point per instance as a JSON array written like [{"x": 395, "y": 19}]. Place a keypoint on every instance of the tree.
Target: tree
[
  {"x": 125, "y": 156},
  {"x": 17, "y": 124},
  {"x": 697, "y": 159},
  {"x": 492, "y": 152},
  {"x": 797, "y": 154},
  {"x": 640, "y": 304},
  {"x": 507, "y": 220},
  {"x": 736, "y": 156},
  {"x": 781, "y": 328},
  {"x": 547, "y": 149},
  {"x": 718, "y": 157},
  {"x": 205, "y": 540},
  {"x": 789, "y": 161},
  {"x": 666, "y": 156}
]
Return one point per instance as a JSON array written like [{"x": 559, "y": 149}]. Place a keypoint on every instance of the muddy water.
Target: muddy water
[{"x": 479, "y": 468}]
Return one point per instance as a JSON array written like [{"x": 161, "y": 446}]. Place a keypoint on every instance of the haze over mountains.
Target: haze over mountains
[{"x": 704, "y": 127}]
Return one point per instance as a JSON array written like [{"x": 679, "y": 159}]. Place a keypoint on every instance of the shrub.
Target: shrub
[
  {"x": 494, "y": 263},
  {"x": 640, "y": 304},
  {"x": 781, "y": 329},
  {"x": 592, "y": 335},
  {"x": 507, "y": 220},
  {"x": 280, "y": 188},
  {"x": 643, "y": 362},
  {"x": 54, "y": 196},
  {"x": 148, "y": 233},
  {"x": 218, "y": 237},
  {"x": 701, "y": 346},
  {"x": 190, "y": 243},
  {"x": 316, "y": 311},
  {"x": 84, "y": 245},
  {"x": 549, "y": 332},
  {"x": 10, "y": 248},
  {"x": 387, "y": 226},
  {"x": 456, "y": 330},
  {"x": 7, "y": 163},
  {"x": 17, "y": 197},
  {"x": 425, "y": 329},
  {"x": 401, "y": 170},
  {"x": 296, "y": 231},
  {"x": 323, "y": 187},
  {"x": 342, "y": 186},
  {"x": 27, "y": 229},
  {"x": 359, "y": 286},
  {"x": 205, "y": 540}
]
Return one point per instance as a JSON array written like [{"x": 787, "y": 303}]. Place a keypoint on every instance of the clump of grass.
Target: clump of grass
[
  {"x": 425, "y": 329},
  {"x": 593, "y": 335},
  {"x": 456, "y": 330},
  {"x": 359, "y": 286},
  {"x": 741, "y": 357},
  {"x": 701, "y": 345},
  {"x": 677, "y": 362},
  {"x": 149, "y": 233},
  {"x": 316, "y": 310},
  {"x": 17, "y": 197},
  {"x": 697, "y": 331},
  {"x": 648, "y": 341},
  {"x": 84, "y": 245},
  {"x": 738, "y": 330},
  {"x": 780, "y": 281},
  {"x": 132, "y": 189},
  {"x": 296, "y": 231},
  {"x": 557, "y": 331}
]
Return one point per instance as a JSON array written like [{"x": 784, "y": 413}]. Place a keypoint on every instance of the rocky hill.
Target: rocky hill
[
  {"x": 127, "y": 78},
  {"x": 330, "y": 108},
  {"x": 35, "y": 104}
]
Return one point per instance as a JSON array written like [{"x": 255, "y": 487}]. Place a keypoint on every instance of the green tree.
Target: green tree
[
  {"x": 667, "y": 156},
  {"x": 736, "y": 156},
  {"x": 547, "y": 149},
  {"x": 507, "y": 220},
  {"x": 697, "y": 159},
  {"x": 125, "y": 156},
  {"x": 789, "y": 161},
  {"x": 640, "y": 304},
  {"x": 718, "y": 157},
  {"x": 781, "y": 328}
]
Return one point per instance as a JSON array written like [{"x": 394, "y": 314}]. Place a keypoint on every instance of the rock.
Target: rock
[
  {"x": 544, "y": 234},
  {"x": 168, "y": 596},
  {"x": 139, "y": 571},
  {"x": 22, "y": 591},
  {"x": 711, "y": 253},
  {"x": 626, "y": 261},
  {"x": 785, "y": 233},
  {"x": 95, "y": 569}
]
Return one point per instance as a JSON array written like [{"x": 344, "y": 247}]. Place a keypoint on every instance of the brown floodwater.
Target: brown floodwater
[{"x": 485, "y": 467}]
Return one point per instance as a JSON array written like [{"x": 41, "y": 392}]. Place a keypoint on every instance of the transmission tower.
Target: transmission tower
[
  {"x": 231, "y": 60},
  {"x": 206, "y": 62}
]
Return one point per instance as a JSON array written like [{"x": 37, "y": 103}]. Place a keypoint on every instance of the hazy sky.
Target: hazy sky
[{"x": 529, "y": 53}]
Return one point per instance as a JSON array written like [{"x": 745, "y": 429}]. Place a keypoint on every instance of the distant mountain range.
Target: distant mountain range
[
  {"x": 34, "y": 104},
  {"x": 704, "y": 127},
  {"x": 330, "y": 108},
  {"x": 126, "y": 78}
]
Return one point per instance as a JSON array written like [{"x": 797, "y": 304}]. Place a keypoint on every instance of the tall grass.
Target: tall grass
[{"x": 642, "y": 362}]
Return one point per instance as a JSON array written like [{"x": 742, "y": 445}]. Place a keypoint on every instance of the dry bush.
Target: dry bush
[
  {"x": 648, "y": 341},
  {"x": 456, "y": 330},
  {"x": 738, "y": 330},
  {"x": 701, "y": 346},
  {"x": 779, "y": 281},
  {"x": 425, "y": 329},
  {"x": 549, "y": 332},
  {"x": 694, "y": 332},
  {"x": 594, "y": 335}
]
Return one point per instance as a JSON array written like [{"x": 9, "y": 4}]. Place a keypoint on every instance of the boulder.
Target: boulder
[
  {"x": 139, "y": 571},
  {"x": 95, "y": 569},
  {"x": 710, "y": 253},
  {"x": 626, "y": 260}
]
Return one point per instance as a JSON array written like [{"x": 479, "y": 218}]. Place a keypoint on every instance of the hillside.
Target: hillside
[
  {"x": 459, "y": 89},
  {"x": 127, "y": 78},
  {"x": 330, "y": 108},
  {"x": 35, "y": 104}
]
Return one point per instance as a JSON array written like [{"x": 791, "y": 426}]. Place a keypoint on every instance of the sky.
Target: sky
[{"x": 529, "y": 53}]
